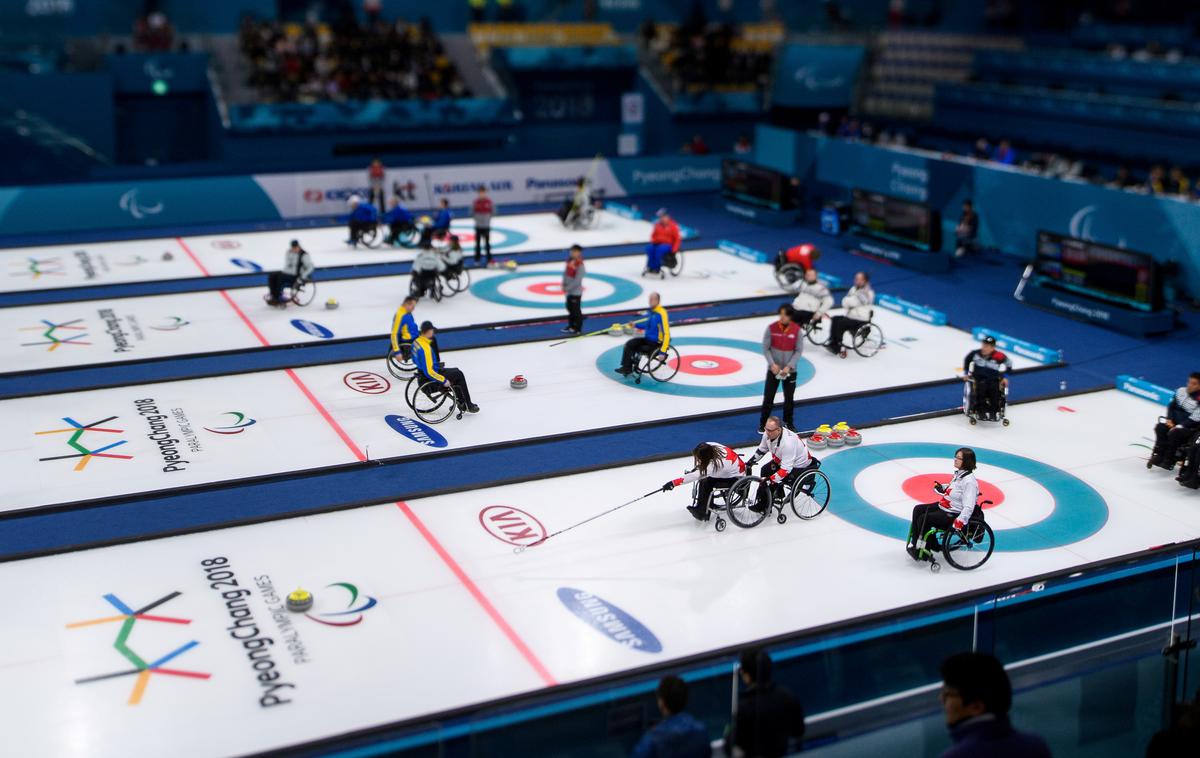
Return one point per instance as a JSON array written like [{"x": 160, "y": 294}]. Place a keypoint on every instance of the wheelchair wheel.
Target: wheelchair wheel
[
  {"x": 970, "y": 548},
  {"x": 817, "y": 331},
  {"x": 409, "y": 237},
  {"x": 303, "y": 293},
  {"x": 789, "y": 276},
  {"x": 663, "y": 369},
  {"x": 677, "y": 269},
  {"x": 433, "y": 402},
  {"x": 400, "y": 367},
  {"x": 410, "y": 390},
  {"x": 868, "y": 338},
  {"x": 371, "y": 237},
  {"x": 810, "y": 495},
  {"x": 742, "y": 494},
  {"x": 459, "y": 282}
]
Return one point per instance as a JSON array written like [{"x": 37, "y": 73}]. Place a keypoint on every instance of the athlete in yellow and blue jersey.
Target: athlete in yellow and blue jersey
[
  {"x": 404, "y": 327},
  {"x": 657, "y": 335},
  {"x": 425, "y": 356}
]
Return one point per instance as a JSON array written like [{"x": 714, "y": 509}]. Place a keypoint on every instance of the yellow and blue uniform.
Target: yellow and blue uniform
[
  {"x": 404, "y": 328},
  {"x": 657, "y": 326},
  {"x": 426, "y": 358}
]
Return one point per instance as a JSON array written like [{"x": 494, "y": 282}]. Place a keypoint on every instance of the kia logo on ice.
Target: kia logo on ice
[
  {"x": 511, "y": 525},
  {"x": 414, "y": 430},
  {"x": 366, "y": 382},
  {"x": 609, "y": 620}
]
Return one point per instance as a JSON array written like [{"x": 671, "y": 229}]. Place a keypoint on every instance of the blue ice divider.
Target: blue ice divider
[
  {"x": 832, "y": 281},
  {"x": 743, "y": 252},
  {"x": 1144, "y": 389},
  {"x": 912, "y": 310},
  {"x": 625, "y": 211},
  {"x": 688, "y": 232},
  {"x": 1020, "y": 347}
]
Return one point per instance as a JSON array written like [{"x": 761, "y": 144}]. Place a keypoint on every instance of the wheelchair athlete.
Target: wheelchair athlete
[
  {"x": 985, "y": 368},
  {"x": 426, "y": 268},
  {"x": 1177, "y": 428},
  {"x": 404, "y": 328},
  {"x": 297, "y": 267},
  {"x": 399, "y": 221},
  {"x": 789, "y": 460},
  {"x": 452, "y": 256},
  {"x": 716, "y": 466},
  {"x": 657, "y": 336},
  {"x": 425, "y": 356},
  {"x": 953, "y": 510},
  {"x": 363, "y": 217},
  {"x": 813, "y": 299},
  {"x": 857, "y": 302}
]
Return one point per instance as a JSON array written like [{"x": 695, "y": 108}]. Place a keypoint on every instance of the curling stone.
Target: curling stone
[
  {"x": 617, "y": 330},
  {"x": 851, "y": 437},
  {"x": 629, "y": 330},
  {"x": 510, "y": 265},
  {"x": 331, "y": 304},
  {"x": 518, "y": 382},
  {"x": 299, "y": 601},
  {"x": 168, "y": 257},
  {"x": 817, "y": 442},
  {"x": 835, "y": 439}
]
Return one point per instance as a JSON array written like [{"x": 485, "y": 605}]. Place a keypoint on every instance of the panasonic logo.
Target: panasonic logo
[
  {"x": 1140, "y": 392},
  {"x": 609, "y": 620}
]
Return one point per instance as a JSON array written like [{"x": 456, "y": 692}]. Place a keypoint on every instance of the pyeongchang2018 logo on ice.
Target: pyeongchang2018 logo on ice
[
  {"x": 54, "y": 335},
  {"x": 140, "y": 662},
  {"x": 82, "y": 451}
]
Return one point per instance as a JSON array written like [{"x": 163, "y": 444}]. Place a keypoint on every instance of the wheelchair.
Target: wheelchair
[
  {"x": 456, "y": 279},
  {"x": 369, "y": 235},
  {"x": 400, "y": 363},
  {"x": 422, "y": 282},
  {"x": 300, "y": 292},
  {"x": 408, "y": 235},
  {"x": 659, "y": 365},
  {"x": 965, "y": 550},
  {"x": 970, "y": 405},
  {"x": 866, "y": 340},
  {"x": 807, "y": 495},
  {"x": 432, "y": 401},
  {"x": 720, "y": 499},
  {"x": 584, "y": 218},
  {"x": 788, "y": 275}
]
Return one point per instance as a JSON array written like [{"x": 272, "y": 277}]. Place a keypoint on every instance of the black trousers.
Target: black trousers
[
  {"x": 986, "y": 395},
  {"x": 635, "y": 346},
  {"x": 770, "y": 387},
  {"x": 838, "y": 326},
  {"x": 276, "y": 281},
  {"x": 927, "y": 516},
  {"x": 483, "y": 236},
  {"x": 575, "y": 312},
  {"x": 768, "y": 470},
  {"x": 459, "y": 383},
  {"x": 395, "y": 229},
  {"x": 377, "y": 197},
  {"x": 802, "y": 317},
  {"x": 422, "y": 283},
  {"x": 1189, "y": 475},
  {"x": 1167, "y": 441},
  {"x": 705, "y": 489},
  {"x": 357, "y": 228}
]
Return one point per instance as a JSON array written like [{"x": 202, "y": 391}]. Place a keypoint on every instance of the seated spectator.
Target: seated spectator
[
  {"x": 976, "y": 697},
  {"x": 1004, "y": 153},
  {"x": 1177, "y": 183},
  {"x": 698, "y": 146},
  {"x": 848, "y": 128},
  {"x": 1122, "y": 179},
  {"x": 742, "y": 146},
  {"x": 982, "y": 149},
  {"x": 768, "y": 716},
  {"x": 967, "y": 231},
  {"x": 825, "y": 123},
  {"x": 1156, "y": 181},
  {"x": 153, "y": 33},
  {"x": 679, "y": 734}
]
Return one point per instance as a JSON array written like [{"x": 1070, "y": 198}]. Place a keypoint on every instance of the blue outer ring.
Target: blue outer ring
[
  {"x": 611, "y": 359},
  {"x": 1079, "y": 511},
  {"x": 489, "y": 289},
  {"x": 512, "y": 237}
]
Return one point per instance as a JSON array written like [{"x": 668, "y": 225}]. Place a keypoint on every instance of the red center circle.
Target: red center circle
[
  {"x": 549, "y": 289},
  {"x": 707, "y": 365},
  {"x": 920, "y": 488}
]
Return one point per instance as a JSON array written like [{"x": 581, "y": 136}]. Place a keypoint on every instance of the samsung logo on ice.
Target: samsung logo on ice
[
  {"x": 312, "y": 328},
  {"x": 415, "y": 431},
  {"x": 609, "y": 620}
]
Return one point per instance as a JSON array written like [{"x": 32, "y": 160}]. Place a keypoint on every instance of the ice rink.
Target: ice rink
[
  {"x": 184, "y": 640},
  {"x": 144, "y": 260},
  {"x": 63, "y": 448}
]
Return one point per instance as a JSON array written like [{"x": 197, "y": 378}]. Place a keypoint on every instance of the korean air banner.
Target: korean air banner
[{"x": 817, "y": 76}]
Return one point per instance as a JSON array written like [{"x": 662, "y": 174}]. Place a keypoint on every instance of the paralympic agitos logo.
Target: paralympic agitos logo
[{"x": 239, "y": 423}]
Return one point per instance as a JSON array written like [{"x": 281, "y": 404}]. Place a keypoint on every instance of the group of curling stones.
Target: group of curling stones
[{"x": 838, "y": 435}]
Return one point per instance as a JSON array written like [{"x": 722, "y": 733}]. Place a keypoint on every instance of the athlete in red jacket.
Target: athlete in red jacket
[{"x": 664, "y": 240}]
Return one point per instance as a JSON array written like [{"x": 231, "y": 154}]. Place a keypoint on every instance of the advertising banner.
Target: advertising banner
[{"x": 817, "y": 76}]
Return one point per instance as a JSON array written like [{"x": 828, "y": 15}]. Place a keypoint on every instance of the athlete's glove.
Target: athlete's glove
[
  {"x": 939, "y": 488},
  {"x": 668, "y": 486},
  {"x": 958, "y": 525},
  {"x": 753, "y": 460}
]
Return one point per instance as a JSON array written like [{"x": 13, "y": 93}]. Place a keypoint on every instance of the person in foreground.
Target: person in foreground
[
  {"x": 768, "y": 716},
  {"x": 679, "y": 734},
  {"x": 976, "y": 697}
]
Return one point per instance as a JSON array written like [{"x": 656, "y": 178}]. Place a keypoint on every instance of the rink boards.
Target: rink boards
[
  {"x": 111, "y": 442},
  {"x": 98, "y": 263},
  {"x": 138, "y": 328},
  {"x": 432, "y": 591}
]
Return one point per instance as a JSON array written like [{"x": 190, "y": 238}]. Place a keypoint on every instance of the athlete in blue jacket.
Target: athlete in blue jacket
[
  {"x": 657, "y": 335},
  {"x": 399, "y": 220},
  {"x": 363, "y": 216},
  {"x": 442, "y": 222},
  {"x": 425, "y": 356}
]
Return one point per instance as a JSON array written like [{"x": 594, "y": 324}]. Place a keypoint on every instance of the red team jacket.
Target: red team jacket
[{"x": 666, "y": 234}]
